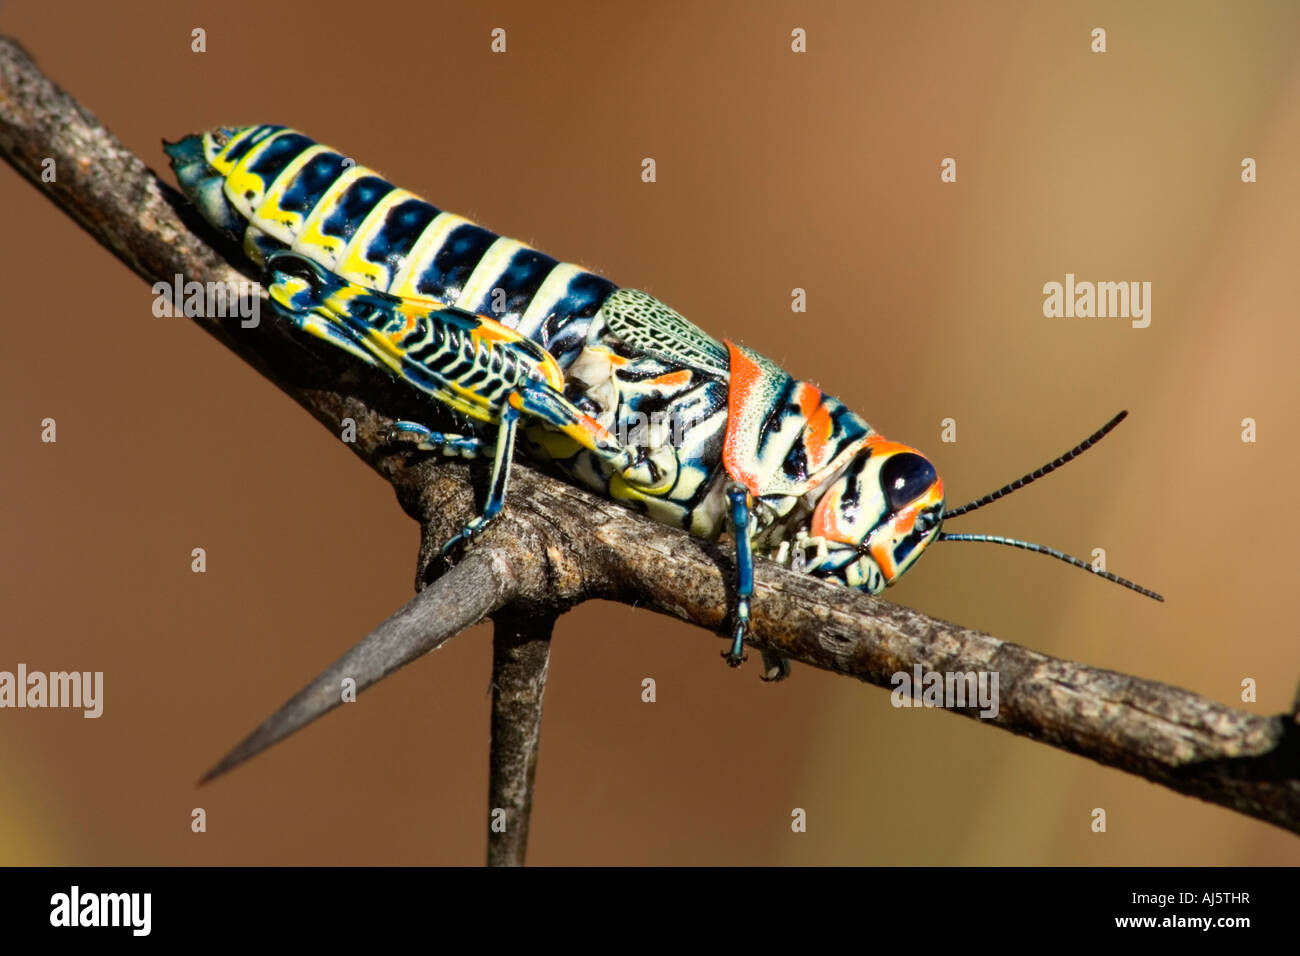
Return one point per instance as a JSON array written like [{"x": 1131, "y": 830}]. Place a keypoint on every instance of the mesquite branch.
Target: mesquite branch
[
  {"x": 556, "y": 545},
  {"x": 521, "y": 651}
]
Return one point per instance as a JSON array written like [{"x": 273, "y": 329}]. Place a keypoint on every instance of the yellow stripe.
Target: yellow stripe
[
  {"x": 313, "y": 243},
  {"x": 240, "y": 182},
  {"x": 219, "y": 156},
  {"x": 277, "y": 222},
  {"x": 353, "y": 264}
]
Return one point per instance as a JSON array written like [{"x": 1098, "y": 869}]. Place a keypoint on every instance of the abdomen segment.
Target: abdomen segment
[{"x": 276, "y": 189}]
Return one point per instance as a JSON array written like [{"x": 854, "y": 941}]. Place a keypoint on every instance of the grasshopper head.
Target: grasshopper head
[{"x": 876, "y": 517}]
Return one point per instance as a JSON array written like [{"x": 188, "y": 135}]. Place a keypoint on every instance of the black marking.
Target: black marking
[
  {"x": 520, "y": 280},
  {"x": 479, "y": 374},
  {"x": 852, "y": 496},
  {"x": 246, "y": 144},
  {"x": 279, "y": 153},
  {"x": 795, "y": 465},
  {"x": 776, "y": 411},
  {"x": 402, "y": 226},
  {"x": 455, "y": 261},
  {"x": 907, "y": 546},
  {"x": 351, "y": 209},
  {"x": 305, "y": 190}
]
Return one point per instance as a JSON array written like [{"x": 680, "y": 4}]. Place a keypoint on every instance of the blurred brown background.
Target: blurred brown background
[{"x": 775, "y": 170}]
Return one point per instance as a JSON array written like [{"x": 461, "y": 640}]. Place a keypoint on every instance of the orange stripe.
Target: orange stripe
[
  {"x": 671, "y": 379},
  {"x": 745, "y": 377},
  {"x": 406, "y": 328},
  {"x": 818, "y": 429},
  {"x": 825, "y": 521},
  {"x": 881, "y": 554},
  {"x": 493, "y": 332}
]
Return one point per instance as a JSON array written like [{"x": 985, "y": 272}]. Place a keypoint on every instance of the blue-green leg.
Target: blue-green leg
[
  {"x": 775, "y": 667},
  {"x": 738, "y": 500},
  {"x": 538, "y": 401},
  {"x": 467, "y": 446},
  {"x": 501, "y": 461}
]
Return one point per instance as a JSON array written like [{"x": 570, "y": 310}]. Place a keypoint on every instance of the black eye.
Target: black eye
[{"x": 904, "y": 478}]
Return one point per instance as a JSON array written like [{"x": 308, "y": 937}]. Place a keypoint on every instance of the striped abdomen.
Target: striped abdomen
[{"x": 281, "y": 190}]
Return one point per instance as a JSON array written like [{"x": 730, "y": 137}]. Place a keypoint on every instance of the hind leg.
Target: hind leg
[
  {"x": 425, "y": 439},
  {"x": 501, "y": 461},
  {"x": 544, "y": 404}
]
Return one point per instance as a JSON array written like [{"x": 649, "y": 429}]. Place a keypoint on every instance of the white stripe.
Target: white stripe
[
  {"x": 482, "y": 281},
  {"x": 552, "y": 290},
  {"x": 406, "y": 282}
]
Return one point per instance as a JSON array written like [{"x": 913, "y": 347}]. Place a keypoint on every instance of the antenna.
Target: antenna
[
  {"x": 1051, "y": 466},
  {"x": 1047, "y": 469},
  {"x": 1053, "y": 553}
]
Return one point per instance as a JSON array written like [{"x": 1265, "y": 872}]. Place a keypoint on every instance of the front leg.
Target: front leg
[{"x": 741, "y": 521}]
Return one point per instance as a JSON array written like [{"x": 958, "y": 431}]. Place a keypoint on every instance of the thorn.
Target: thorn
[{"x": 468, "y": 593}]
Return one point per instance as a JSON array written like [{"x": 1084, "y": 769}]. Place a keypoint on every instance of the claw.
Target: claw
[
  {"x": 734, "y": 660},
  {"x": 400, "y": 431},
  {"x": 463, "y": 537},
  {"x": 775, "y": 668}
]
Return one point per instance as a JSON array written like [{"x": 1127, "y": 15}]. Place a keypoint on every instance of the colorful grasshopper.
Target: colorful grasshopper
[{"x": 613, "y": 387}]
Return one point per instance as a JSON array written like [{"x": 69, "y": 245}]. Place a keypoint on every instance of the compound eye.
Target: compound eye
[{"x": 904, "y": 478}]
